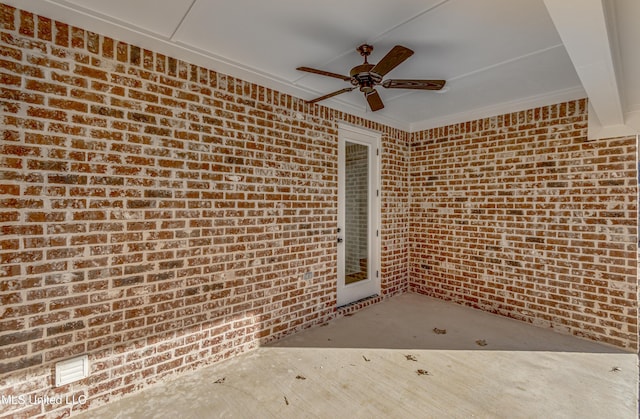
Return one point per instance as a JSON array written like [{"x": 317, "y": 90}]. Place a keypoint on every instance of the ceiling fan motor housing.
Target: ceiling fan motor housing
[{"x": 362, "y": 76}]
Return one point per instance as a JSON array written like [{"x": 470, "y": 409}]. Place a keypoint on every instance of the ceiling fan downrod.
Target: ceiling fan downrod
[{"x": 361, "y": 75}]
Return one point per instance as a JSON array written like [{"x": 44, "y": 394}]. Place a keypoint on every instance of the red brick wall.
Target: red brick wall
[
  {"x": 160, "y": 216},
  {"x": 394, "y": 234},
  {"x": 521, "y": 215}
]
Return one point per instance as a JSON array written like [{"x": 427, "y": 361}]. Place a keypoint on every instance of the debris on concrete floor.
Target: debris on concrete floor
[
  {"x": 439, "y": 331},
  {"x": 411, "y": 358},
  {"x": 481, "y": 342},
  {"x": 286, "y": 401},
  {"x": 365, "y": 358},
  {"x": 526, "y": 364},
  {"x": 220, "y": 380},
  {"x": 616, "y": 369},
  {"x": 422, "y": 372},
  {"x": 300, "y": 377}
]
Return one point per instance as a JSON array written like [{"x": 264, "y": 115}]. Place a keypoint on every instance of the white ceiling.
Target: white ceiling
[{"x": 496, "y": 55}]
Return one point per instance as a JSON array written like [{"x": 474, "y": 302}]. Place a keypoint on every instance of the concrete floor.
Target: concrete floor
[{"x": 387, "y": 361}]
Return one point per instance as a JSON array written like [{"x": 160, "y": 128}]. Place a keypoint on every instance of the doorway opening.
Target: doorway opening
[{"x": 358, "y": 214}]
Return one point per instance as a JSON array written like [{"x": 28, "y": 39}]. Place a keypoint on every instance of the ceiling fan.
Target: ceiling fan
[{"x": 366, "y": 76}]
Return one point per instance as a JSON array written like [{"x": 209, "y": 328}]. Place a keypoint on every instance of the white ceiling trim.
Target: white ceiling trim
[
  {"x": 598, "y": 130},
  {"x": 599, "y": 36},
  {"x": 585, "y": 28}
]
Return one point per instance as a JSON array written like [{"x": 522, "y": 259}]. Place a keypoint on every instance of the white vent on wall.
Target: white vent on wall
[{"x": 71, "y": 370}]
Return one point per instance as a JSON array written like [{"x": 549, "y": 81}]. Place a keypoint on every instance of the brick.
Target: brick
[
  {"x": 68, "y": 105},
  {"x": 90, "y": 72},
  {"x": 7, "y": 17},
  {"x": 44, "y": 87},
  {"x": 67, "y": 327},
  {"x": 24, "y": 362},
  {"x": 68, "y": 302},
  {"x": 19, "y": 337},
  {"x": 27, "y": 24}
]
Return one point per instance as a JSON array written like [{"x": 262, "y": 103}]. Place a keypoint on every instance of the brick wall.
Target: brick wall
[
  {"x": 160, "y": 216},
  {"x": 521, "y": 215},
  {"x": 394, "y": 232}
]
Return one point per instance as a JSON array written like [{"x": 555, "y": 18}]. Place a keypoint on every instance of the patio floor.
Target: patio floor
[{"x": 409, "y": 357}]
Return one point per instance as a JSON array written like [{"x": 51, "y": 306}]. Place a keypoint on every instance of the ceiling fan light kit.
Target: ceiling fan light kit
[{"x": 366, "y": 76}]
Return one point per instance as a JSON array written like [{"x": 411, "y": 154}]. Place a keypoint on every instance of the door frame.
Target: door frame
[{"x": 348, "y": 293}]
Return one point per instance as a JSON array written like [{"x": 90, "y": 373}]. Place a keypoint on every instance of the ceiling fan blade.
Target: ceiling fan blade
[
  {"x": 374, "y": 100},
  {"x": 393, "y": 58},
  {"x": 414, "y": 84},
  {"x": 324, "y": 73},
  {"x": 327, "y": 96}
]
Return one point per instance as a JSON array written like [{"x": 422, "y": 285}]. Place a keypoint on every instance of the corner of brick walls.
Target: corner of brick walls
[
  {"x": 159, "y": 216},
  {"x": 523, "y": 216}
]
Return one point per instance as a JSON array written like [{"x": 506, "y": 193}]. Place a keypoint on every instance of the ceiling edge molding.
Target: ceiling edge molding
[
  {"x": 502, "y": 108},
  {"x": 632, "y": 119},
  {"x": 590, "y": 38},
  {"x": 597, "y": 130}
]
